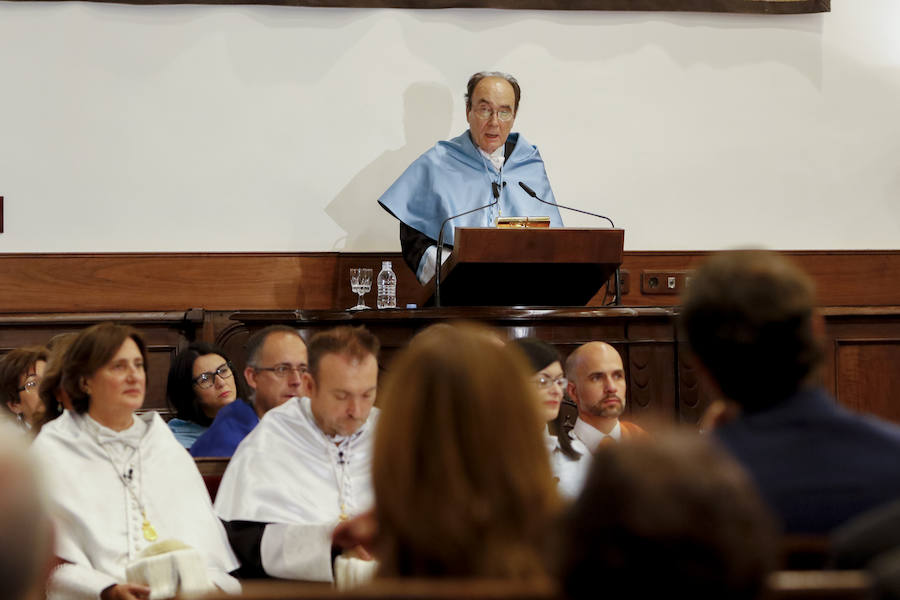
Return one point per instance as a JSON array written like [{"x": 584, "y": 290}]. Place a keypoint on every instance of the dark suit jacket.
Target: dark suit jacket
[{"x": 816, "y": 463}]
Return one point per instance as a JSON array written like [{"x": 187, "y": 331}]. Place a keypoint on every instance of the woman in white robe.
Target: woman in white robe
[
  {"x": 569, "y": 458},
  {"x": 119, "y": 482}
]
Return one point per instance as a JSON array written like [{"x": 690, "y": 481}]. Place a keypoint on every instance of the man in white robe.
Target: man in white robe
[{"x": 306, "y": 466}]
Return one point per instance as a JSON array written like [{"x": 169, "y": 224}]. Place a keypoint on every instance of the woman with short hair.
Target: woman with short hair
[{"x": 111, "y": 476}]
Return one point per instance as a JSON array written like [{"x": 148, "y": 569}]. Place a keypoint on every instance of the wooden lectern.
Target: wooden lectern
[{"x": 527, "y": 267}]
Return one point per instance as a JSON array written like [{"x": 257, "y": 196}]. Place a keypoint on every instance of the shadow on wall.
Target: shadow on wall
[{"x": 427, "y": 115}]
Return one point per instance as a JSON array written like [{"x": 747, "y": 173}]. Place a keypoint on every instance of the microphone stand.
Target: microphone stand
[
  {"x": 440, "y": 241},
  {"x": 533, "y": 194}
]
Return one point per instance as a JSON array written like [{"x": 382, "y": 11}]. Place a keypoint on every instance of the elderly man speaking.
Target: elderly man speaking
[{"x": 485, "y": 163}]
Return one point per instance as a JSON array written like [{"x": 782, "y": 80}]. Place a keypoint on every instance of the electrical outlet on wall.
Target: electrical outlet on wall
[{"x": 664, "y": 282}]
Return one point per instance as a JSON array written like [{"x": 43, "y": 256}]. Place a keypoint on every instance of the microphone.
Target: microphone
[
  {"x": 495, "y": 190},
  {"x": 129, "y": 474},
  {"x": 341, "y": 458},
  {"x": 534, "y": 195}
]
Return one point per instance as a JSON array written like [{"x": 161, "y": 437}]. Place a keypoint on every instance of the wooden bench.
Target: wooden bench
[
  {"x": 212, "y": 468},
  {"x": 781, "y": 585}
]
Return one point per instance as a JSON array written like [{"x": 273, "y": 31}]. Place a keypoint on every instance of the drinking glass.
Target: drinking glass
[{"x": 361, "y": 283}]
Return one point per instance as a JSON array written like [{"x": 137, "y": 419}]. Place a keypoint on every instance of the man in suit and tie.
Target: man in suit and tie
[{"x": 597, "y": 386}]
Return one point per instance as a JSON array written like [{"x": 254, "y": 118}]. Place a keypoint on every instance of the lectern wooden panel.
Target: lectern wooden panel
[{"x": 527, "y": 267}]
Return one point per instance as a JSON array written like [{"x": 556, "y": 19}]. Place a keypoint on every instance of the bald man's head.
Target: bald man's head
[{"x": 596, "y": 381}]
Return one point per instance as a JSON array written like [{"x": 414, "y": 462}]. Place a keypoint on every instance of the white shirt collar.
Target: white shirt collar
[
  {"x": 591, "y": 436},
  {"x": 497, "y": 157},
  {"x": 130, "y": 437}
]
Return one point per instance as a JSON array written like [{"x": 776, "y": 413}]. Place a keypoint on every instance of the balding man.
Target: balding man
[
  {"x": 484, "y": 164},
  {"x": 597, "y": 385},
  {"x": 26, "y": 539}
]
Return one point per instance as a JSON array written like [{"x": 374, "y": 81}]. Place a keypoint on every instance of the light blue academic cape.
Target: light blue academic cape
[{"x": 453, "y": 177}]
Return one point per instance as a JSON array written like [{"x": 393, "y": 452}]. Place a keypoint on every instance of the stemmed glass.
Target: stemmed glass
[{"x": 361, "y": 283}]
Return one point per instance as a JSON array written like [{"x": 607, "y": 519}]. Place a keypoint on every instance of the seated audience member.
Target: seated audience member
[
  {"x": 306, "y": 466},
  {"x": 597, "y": 385},
  {"x": 463, "y": 486},
  {"x": 26, "y": 536},
  {"x": 276, "y": 361},
  {"x": 201, "y": 382},
  {"x": 569, "y": 458},
  {"x": 53, "y": 396},
  {"x": 749, "y": 322},
  {"x": 118, "y": 482},
  {"x": 658, "y": 517},
  {"x": 20, "y": 374}
]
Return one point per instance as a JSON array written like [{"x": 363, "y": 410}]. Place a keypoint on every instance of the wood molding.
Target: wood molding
[
  {"x": 774, "y": 7},
  {"x": 134, "y": 282}
]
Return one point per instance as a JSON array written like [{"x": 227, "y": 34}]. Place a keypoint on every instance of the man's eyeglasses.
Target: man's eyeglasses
[
  {"x": 282, "y": 371},
  {"x": 207, "y": 379},
  {"x": 486, "y": 113},
  {"x": 545, "y": 382},
  {"x": 30, "y": 386}
]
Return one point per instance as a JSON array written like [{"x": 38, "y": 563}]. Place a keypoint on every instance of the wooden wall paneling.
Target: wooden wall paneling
[
  {"x": 693, "y": 397},
  {"x": 136, "y": 282},
  {"x": 862, "y": 358},
  {"x": 321, "y": 281},
  {"x": 870, "y": 376},
  {"x": 164, "y": 333},
  {"x": 842, "y": 277}
]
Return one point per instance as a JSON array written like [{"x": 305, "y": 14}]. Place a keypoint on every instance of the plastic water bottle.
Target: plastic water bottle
[{"x": 387, "y": 286}]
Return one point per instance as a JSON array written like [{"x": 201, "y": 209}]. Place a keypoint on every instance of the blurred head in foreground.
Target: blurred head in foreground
[
  {"x": 26, "y": 549},
  {"x": 678, "y": 504},
  {"x": 751, "y": 311},
  {"x": 462, "y": 481}
]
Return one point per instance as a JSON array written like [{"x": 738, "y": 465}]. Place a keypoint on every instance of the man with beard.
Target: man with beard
[
  {"x": 597, "y": 385},
  {"x": 306, "y": 466}
]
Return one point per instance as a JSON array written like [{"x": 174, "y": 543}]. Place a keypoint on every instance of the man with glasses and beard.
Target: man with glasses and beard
[
  {"x": 306, "y": 466},
  {"x": 484, "y": 164},
  {"x": 597, "y": 386}
]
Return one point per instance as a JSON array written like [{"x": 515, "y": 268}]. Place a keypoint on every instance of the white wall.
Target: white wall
[{"x": 201, "y": 128}]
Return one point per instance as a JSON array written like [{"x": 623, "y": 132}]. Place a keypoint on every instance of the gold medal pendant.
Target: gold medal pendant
[{"x": 149, "y": 532}]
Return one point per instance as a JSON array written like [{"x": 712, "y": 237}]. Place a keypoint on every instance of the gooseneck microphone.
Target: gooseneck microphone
[
  {"x": 534, "y": 195},
  {"x": 495, "y": 190}
]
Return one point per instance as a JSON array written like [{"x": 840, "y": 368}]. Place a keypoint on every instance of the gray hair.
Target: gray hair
[
  {"x": 477, "y": 77},
  {"x": 258, "y": 339}
]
